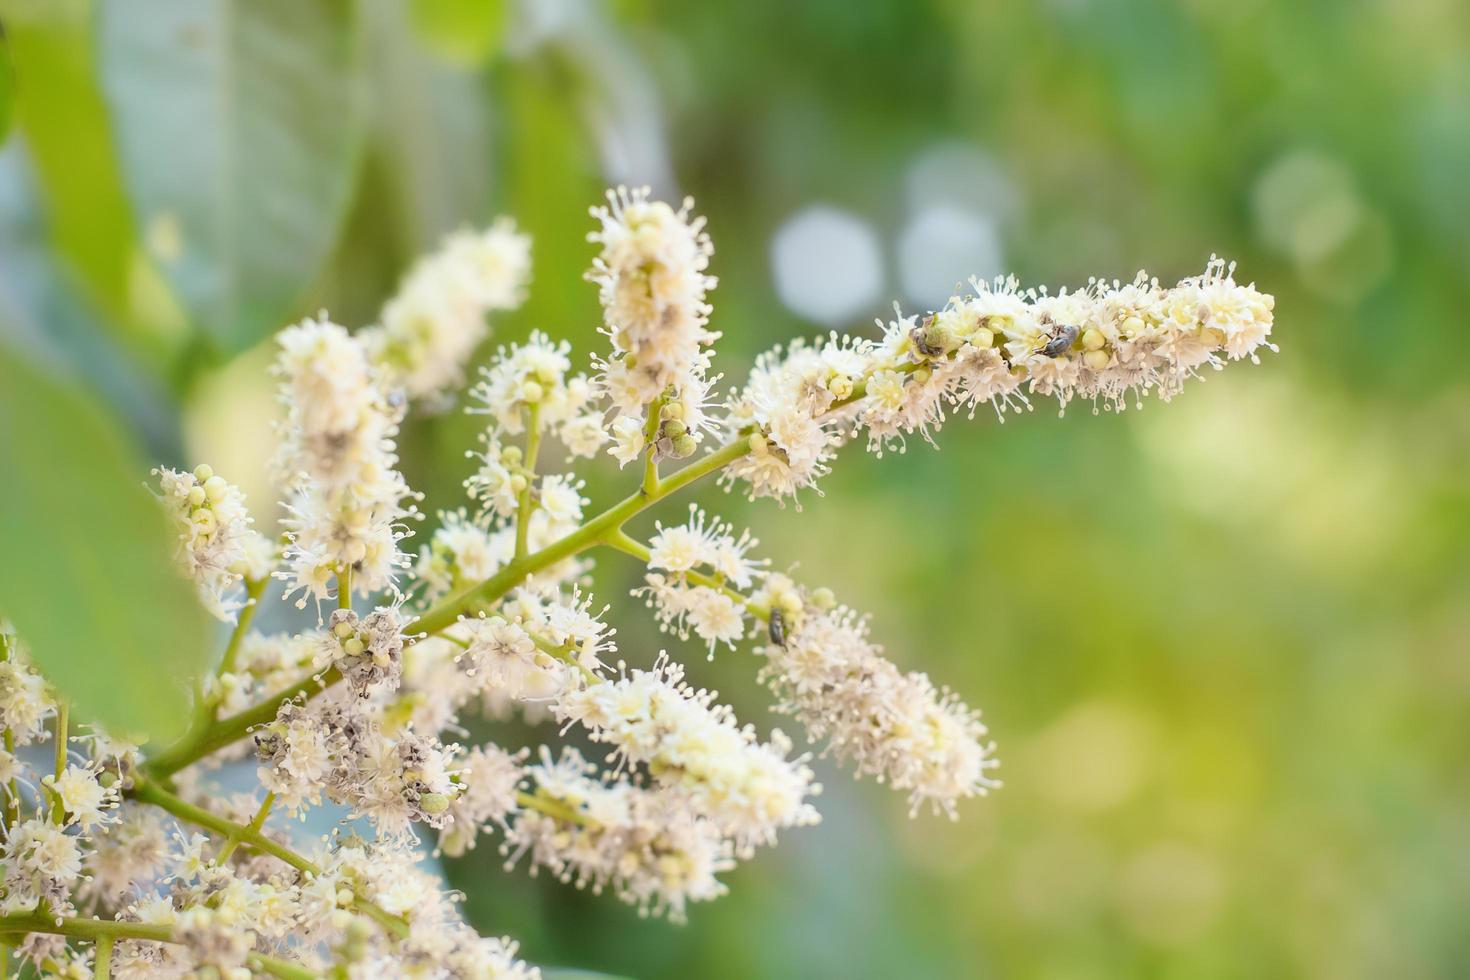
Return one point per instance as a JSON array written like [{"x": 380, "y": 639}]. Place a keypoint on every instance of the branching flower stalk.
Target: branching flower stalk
[{"x": 129, "y": 863}]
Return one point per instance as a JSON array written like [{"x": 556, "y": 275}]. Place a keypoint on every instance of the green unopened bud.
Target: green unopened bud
[
  {"x": 672, "y": 410},
  {"x": 840, "y": 386},
  {"x": 433, "y": 803},
  {"x": 1092, "y": 339},
  {"x": 823, "y": 598},
  {"x": 1133, "y": 325},
  {"x": 673, "y": 428},
  {"x": 343, "y": 630},
  {"x": 203, "y": 472},
  {"x": 1096, "y": 360},
  {"x": 511, "y": 455},
  {"x": 215, "y": 488},
  {"x": 518, "y": 483},
  {"x": 197, "y": 496},
  {"x": 354, "y": 646},
  {"x": 983, "y": 338},
  {"x": 531, "y": 391},
  {"x": 685, "y": 445},
  {"x": 757, "y": 443}
]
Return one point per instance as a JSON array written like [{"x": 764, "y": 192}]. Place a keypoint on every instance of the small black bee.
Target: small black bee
[
  {"x": 1058, "y": 339},
  {"x": 778, "y": 628}
]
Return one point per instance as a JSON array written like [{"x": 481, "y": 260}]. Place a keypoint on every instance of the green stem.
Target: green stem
[
  {"x": 650, "y": 431},
  {"x": 148, "y": 792},
  {"x": 526, "y": 504},
  {"x": 260, "y": 963},
  {"x": 11, "y": 814},
  {"x": 90, "y": 929},
  {"x": 105, "y": 932},
  {"x": 225, "y": 731},
  {"x": 254, "y": 588},
  {"x": 444, "y": 613},
  {"x": 58, "y": 810},
  {"x": 552, "y": 807},
  {"x": 344, "y": 587},
  {"x": 62, "y": 710},
  {"x": 255, "y": 824},
  {"x": 630, "y": 546},
  {"x": 102, "y": 967}
]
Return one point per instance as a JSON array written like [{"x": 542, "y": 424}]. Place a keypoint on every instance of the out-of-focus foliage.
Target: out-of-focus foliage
[
  {"x": 259, "y": 107},
  {"x": 1224, "y": 644},
  {"x": 89, "y": 578}
]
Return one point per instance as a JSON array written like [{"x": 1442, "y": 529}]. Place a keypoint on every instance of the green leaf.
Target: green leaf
[
  {"x": 240, "y": 124},
  {"x": 86, "y": 574},
  {"x": 462, "y": 32},
  {"x": 60, "y": 115}
]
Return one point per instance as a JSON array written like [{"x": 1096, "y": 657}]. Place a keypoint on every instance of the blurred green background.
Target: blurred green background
[{"x": 1224, "y": 644}]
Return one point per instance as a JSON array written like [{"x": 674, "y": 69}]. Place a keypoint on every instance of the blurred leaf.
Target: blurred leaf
[
  {"x": 7, "y": 87},
  {"x": 59, "y": 112},
  {"x": 87, "y": 578},
  {"x": 240, "y": 127},
  {"x": 464, "y": 32},
  {"x": 431, "y": 132}
]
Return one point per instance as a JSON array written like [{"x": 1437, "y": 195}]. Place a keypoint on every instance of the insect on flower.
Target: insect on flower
[
  {"x": 777, "y": 628},
  {"x": 1059, "y": 337}
]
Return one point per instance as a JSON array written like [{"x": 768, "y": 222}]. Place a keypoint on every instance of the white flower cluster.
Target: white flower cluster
[
  {"x": 827, "y": 673},
  {"x": 700, "y": 546},
  {"x": 218, "y": 549},
  {"x": 596, "y": 832},
  {"x": 430, "y": 328},
  {"x": 365, "y": 708},
  {"x": 695, "y": 750},
  {"x": 652, "y": 281},
  {"x": 1106, "y": 343},
  {"x": 180, "y": 903},
  {"x": 348, "y": 502}
]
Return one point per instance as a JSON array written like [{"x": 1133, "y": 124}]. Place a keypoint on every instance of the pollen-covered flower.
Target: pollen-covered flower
[
  {"x": 648, "y": 845},
  {"x": 695, "y": 749},
  {"x": 652, "y": 282},
  {"x": 348, "y": 503},
  {"x": 896, "y": 726},
  {"x": 84, "y": 800},
  {"x": 432, "y": 325}
]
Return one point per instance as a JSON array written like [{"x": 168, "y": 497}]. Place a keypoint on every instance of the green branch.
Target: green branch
[
  {"x": 251, "y": 836},
  {"x": 444, "y": 614},
  {"x": 525, "y": 505},
  {"x": 91, "y": 929}
]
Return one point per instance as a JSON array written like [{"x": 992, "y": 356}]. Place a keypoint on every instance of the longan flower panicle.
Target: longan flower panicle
[
  {"x": 697, "y": 751},
  {"x": 430, "y": 328},
  {"x": 652, "y": 283},
  {"x": 1000, "y": 345},
  {"x": 217, "y": 546},
  {"x": 348, "y": 503},
  {"x": 647, "y": 845},
  {"x": 365, "y": 708},
  {"x": 827, "y": 673}
]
